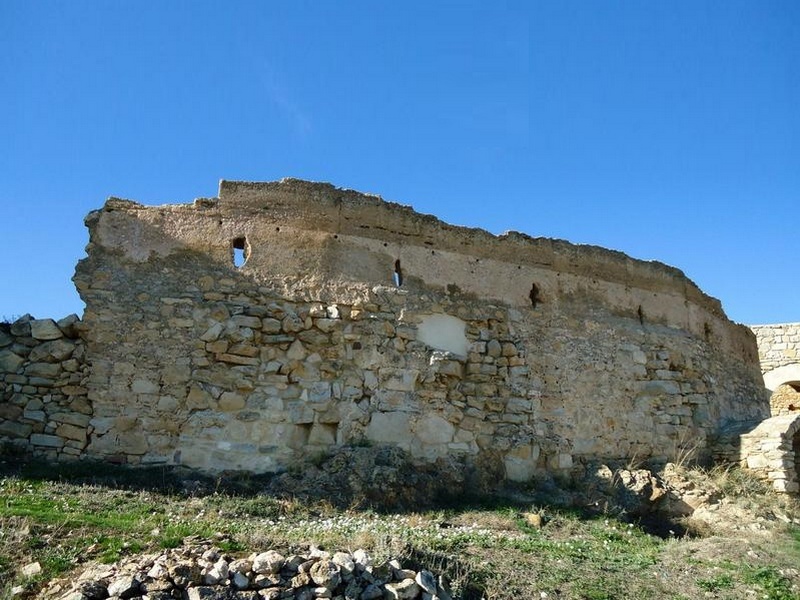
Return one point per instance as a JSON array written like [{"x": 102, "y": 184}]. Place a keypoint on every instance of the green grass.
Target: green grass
[
  {"x": 63, "y": 517},
  {"x": 775, "y": 585},
  {"x": 716, "y": 583}
]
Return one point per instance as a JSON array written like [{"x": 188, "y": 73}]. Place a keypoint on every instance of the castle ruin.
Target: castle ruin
[{"x": 255, "y": 330}]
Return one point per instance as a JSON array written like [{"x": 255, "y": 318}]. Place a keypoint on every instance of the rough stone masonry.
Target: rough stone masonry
[{"x": 280, "y": 320}]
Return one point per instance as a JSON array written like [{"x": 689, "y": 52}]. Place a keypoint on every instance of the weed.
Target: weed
[
  {"x": 776, "y": 586},
  {"x": 716, "y": 583}
]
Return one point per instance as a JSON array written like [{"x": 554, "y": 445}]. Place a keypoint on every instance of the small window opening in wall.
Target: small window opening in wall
[
  {"x": 240, "y": 252},
  {"x": 398, "y": 273},
  {"x": 534, "y": 295}
]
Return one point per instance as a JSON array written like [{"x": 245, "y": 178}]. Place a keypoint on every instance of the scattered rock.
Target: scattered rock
[
  {"x": 31, "y": 569},
  {"x": 201, "y": 571}
]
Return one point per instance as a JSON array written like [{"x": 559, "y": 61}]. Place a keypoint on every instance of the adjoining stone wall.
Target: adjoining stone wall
[
  {"x": 43, "y": 404},
  {"x": 779, "y": 353},
  {"x": 772, "y": 451},
  {"x": 357, "y": 321}
]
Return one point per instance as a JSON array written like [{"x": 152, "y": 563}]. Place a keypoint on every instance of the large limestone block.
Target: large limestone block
[
  {"x": 433, "y": 430},
  {"x": 45, "y": 329},
  {"x": 444, "y": 332},
  {"x": 322, "y": 435},
  {"x": 390, "y": 427},
  {"x": 520, "y": 462}
]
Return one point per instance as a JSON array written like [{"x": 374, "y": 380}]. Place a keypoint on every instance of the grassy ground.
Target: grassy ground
[{"x": 64, "y": 516}]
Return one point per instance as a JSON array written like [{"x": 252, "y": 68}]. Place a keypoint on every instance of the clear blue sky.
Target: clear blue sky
[{"x": 667, "y": 130}]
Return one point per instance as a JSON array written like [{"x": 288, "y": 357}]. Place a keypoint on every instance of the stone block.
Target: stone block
[
  {"x": 494, "y": 348},
  {"x": 14, "y": 429},
  {"x": 131, "y": 442},
  {"x": 237, "y": 360},
  {"x": 48, "y": 441},
  {"x": 390, "y": 428},
  {"x": 10, "y": 362},
  {"x": 322, "y": 435},
  {"x": 74, "y": 390},
  {"x": 296, "y": 351},
  {"x": 218, "y": 347},
  {"x": 77, "y": 419},
  {"x": 757, "y": 461},
  {"x": 300, "y": 413},
  {"x": 401, "y": 381},
  {"x": 175, "y": 374},
  {"x": 71, "y": 432},
  {"x": 167, "y": 404},
  {"x": 433, "y": 430},
  {"x": 102, "y": 425},
  {"x": 231, "y": 401},
  {"x": 144, "y": 386},
  {"x": 44, "y": 370},
  {"x": 21, "y": 327},
  {"x": 658, "y": 387},
  {"x": 81, "y": 405},
  {"x": 45, "y": 329},
  {"x": 10, "y": 411},
  {"x": 243, "y": 349},
  {"x": 34, "y": 415},
  {"x": 53, "y": 351},
  {"x": 246, "y": 321},
  {"x": 270, "y": 326}
]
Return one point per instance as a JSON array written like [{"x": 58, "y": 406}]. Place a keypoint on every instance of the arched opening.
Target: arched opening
[{"x": 785, "y": 399}]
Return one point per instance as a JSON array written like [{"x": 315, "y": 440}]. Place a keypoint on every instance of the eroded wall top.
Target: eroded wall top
[{"x": 299, "y": 235}]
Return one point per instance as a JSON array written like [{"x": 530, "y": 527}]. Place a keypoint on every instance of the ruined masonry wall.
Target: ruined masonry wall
[
  {"x": 525, "y": 353},
  {"x": 43, "y": 403}
]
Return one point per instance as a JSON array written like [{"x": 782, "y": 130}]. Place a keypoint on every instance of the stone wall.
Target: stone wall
[
  {"x": 43, "y": 403},
  {"x": 357, "y": 321},
  {"x": 772, "y": 452},
  {"x": 779, "y": 353}
]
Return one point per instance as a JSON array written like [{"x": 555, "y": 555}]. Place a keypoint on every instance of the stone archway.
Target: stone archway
[
  {"x": 772, "y": 451},
  {"x": 784, "y": 383},
  {"x": 780, "y": 375},
  {"x": 785, "y": 399}
]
